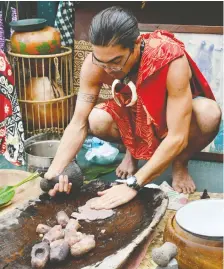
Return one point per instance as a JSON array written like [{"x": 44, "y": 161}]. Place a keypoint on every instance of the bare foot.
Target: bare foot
[
  {"x": 127, "y": 167},
  {"x": 182, "y": 181}
]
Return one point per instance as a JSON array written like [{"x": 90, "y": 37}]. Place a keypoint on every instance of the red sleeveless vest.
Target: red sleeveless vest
[{"x": 143, "y": 126}]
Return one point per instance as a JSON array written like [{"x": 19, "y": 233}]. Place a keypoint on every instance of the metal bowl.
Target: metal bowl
[{"x": 40, "y": 151}]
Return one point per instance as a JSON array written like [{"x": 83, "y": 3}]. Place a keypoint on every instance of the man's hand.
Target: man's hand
[
  {"x": 51, "y": 173},
  {"x": 114, "y": 197},
  {"x": 62, "y": 186}
]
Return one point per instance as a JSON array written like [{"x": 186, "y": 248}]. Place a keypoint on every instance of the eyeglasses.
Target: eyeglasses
[{"x": 113, "y": 67}]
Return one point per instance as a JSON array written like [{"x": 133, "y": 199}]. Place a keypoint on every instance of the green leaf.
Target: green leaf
[
  {"x": 94, "y": 172},
  {"x": 5, "y": 205},
  {"x": 6, "y": 194},
  {"x": 1, "y": 188},
  {"x": 5, "y": 188},
  {"x": 29, "y": 178}
]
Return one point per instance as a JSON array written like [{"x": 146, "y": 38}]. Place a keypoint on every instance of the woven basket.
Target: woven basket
[{"x": 44, "y": 85}]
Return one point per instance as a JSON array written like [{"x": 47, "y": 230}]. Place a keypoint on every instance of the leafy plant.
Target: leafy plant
[
  {"x": 8, "y": 192},
  {"x": 94, "y": 172}
]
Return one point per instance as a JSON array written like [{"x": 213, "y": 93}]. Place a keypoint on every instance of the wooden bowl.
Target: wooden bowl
[{"x": 194, "y": 252}]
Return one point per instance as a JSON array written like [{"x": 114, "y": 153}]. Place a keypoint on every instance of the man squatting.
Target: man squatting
[{"x": 163, "y": 109}]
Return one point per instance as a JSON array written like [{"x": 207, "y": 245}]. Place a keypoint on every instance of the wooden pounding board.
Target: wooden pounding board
[{"x": 128, "y": 222}]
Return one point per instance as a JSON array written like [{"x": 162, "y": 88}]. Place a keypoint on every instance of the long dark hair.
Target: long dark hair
[{"x": 114, "y": 26}]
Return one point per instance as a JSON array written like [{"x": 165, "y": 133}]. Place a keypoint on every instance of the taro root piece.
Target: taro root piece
[
  {"x": 83, "y": 246},
  {"x": 40, "y": 255},
  {"x": 72, "y": 237},
  {"x": 89, "y": 214},
  {"x": 62, "y": 218},
  {"x": 74, "y": 174},
  {"x": 72, "y": 224},
  {"x": 59, "y": 250},
  {"x": 55, "y": 233},
  {"x": 42, "y": 229}
]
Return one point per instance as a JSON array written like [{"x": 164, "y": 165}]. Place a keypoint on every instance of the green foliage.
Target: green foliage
[
  {"x": 8, "y": 192},
  {"x": 94, "y": 171}
]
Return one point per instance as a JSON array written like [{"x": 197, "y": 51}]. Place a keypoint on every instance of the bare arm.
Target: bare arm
[
  {"x": 76, "y": 132},
  {"x": 179, "y": 110}
]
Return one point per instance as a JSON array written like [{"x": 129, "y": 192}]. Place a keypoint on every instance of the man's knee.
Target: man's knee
[
  {"x": 208, "y": 114},
  {"x": 101, "y": 124},
  {"x": 99, "y": 121}
]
